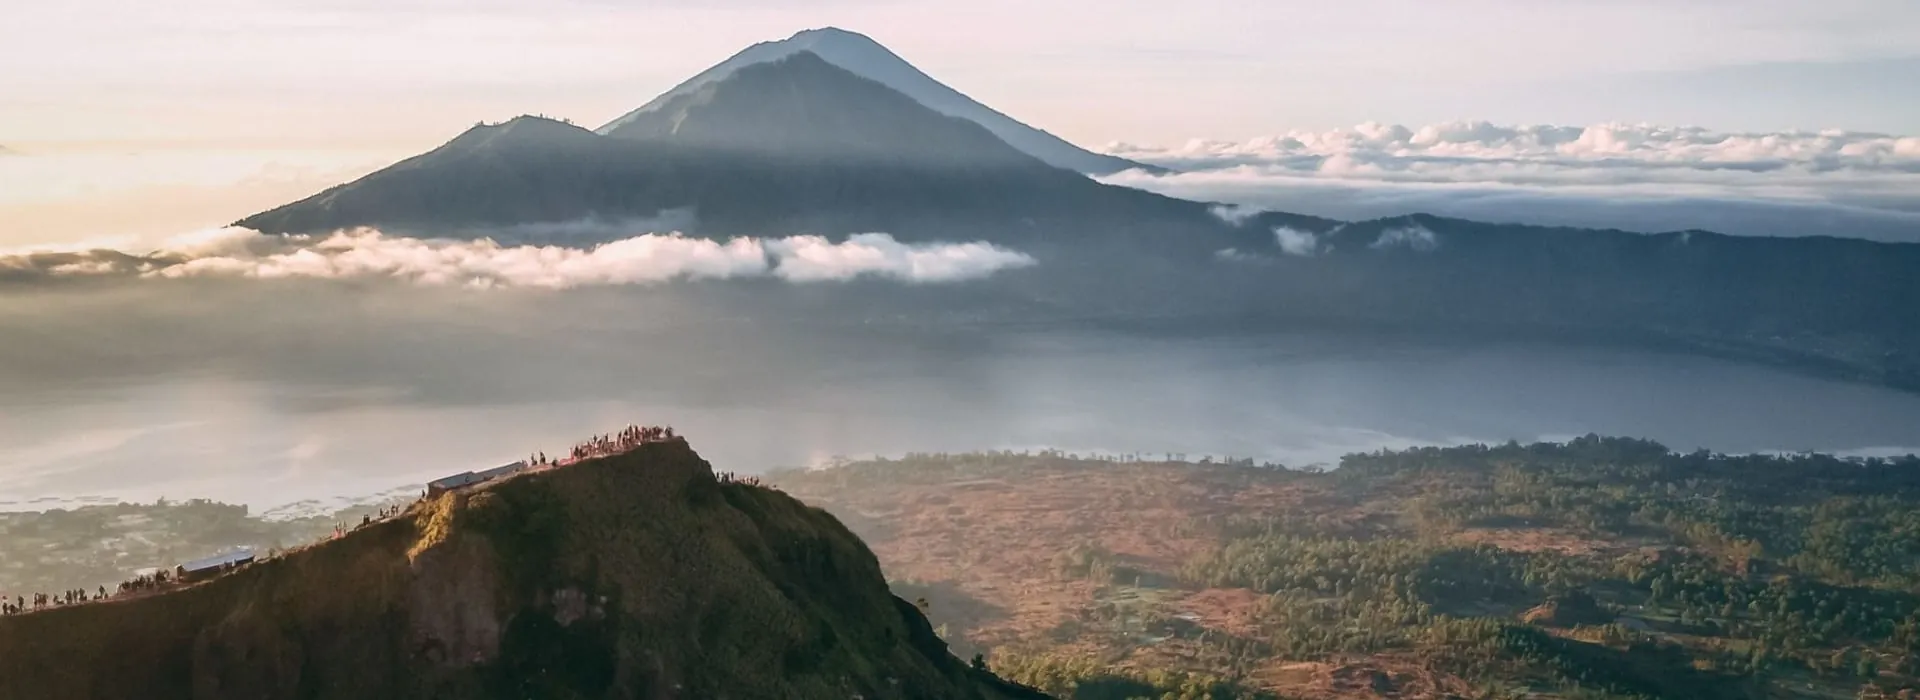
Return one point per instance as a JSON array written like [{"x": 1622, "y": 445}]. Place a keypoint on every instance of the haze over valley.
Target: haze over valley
[{"x": 210, "y": 391}]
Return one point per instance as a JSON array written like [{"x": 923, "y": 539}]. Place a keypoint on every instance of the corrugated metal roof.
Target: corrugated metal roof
[
  {"x": 234, "y": 557},
  {"x": 469, "y": 478},
  {"x": 502, "y": 470}
]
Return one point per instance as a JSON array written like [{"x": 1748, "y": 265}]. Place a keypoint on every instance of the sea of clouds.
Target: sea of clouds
[
  {"x": 1631, "y": 176},
  {"x": 648, "y": 258}
]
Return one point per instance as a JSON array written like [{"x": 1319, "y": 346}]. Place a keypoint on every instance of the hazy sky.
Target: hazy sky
[
  {"x": 405, "y": 72},
  {"x": 163, "y": 117}
]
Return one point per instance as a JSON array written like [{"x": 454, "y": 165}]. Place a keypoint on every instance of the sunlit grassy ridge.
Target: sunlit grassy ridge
[{"x": 632, "y": 576}]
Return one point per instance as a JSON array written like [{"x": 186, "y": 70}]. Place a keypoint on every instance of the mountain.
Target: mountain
[
  {"x": 796, "y": 145},
  {"x": 801, "y": 145},
  {"x": 865, "y": 57},
  {"x": 803, "y": 108},
  {"x": 635, "y": 576}
]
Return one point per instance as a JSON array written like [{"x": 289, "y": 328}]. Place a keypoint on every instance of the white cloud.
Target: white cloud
[
  {"x": 814, "y": 258},
  {"x": 1611, "y": 143},
  {"x": 1635, "y": 176},
  {"x": 644, "y": 259},
  {"x": 1294, "y": 241},
  {"x": 1234, "y": 213},
  {"x": 1414, "y": 237}
]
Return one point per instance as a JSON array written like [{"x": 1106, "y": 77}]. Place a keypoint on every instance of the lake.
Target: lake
[{"x": 193, "y": 398}]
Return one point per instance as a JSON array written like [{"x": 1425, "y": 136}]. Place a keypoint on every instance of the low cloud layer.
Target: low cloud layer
[
  {"x": 645, "y": 259},
  {"x": 1415, "y": 238},
  {"x": 1291, "y": 241},
  {"x": 1637, "y": 177}
]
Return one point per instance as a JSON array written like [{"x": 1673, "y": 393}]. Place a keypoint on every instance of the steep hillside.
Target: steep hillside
[
  {"x": 866, "y": 58},
  {"x": 637, "y": 576}
]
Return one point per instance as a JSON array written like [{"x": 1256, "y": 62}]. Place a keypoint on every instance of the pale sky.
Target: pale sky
[
  {"x": 376, "y": 73},
  {"x": 159, "y": 117}
]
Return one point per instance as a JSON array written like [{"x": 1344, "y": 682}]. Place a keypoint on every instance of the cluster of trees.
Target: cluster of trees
[
  {"x": 1850, "y": 521},
  {"x": 1802, "y": 562},
  {"x": 1082, "y": 678},
  {"x": 1706, "y": 575}
]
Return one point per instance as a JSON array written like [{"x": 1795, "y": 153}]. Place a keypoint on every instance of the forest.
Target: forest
[{"x": 1595, "y": 568}]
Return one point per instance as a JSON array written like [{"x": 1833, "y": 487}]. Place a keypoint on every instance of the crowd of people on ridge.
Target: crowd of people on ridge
[
  {"x": 365, "y": 520},
  {"x": 21, "y": 604},
  {"x": 606, "y": 445},
  {"x": 42, "y": 600}
]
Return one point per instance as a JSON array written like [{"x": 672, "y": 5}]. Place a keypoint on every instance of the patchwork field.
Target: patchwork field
[{"x": 1599, "y": 568}]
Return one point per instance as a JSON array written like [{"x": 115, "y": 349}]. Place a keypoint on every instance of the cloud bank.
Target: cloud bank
[
  {"x": 645, "y": 259},
  {"x": 1633, "y": 176}
]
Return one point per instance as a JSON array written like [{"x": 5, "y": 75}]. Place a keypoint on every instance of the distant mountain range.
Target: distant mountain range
[{"x": 782, "y": 140}]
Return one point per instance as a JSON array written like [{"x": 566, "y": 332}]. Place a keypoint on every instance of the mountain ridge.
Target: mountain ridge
[
  {"x": 861, "y": 55},
  {"x": 636, "y": 575}
]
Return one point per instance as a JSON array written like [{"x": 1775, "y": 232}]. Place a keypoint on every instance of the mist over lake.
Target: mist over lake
[{"x": 270, "y": 394}]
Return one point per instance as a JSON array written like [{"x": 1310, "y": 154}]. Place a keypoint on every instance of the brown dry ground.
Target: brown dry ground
[{"x": 995, "y": 541}]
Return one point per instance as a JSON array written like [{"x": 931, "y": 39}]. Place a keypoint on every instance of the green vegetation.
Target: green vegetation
[
  {"x": 1086, "y": 679},
  {"x": 1597, "y": 568}
]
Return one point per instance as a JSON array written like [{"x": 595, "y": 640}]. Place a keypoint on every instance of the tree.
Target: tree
[{"x": 1868, "y": 667}]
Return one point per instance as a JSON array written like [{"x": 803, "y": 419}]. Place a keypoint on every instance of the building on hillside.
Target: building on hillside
[
  {"x": 449, "y": 483},
  {"x": 502, "y": 472},
  {"x": 214, "y": 565},
  {"x": 465, "y": 479}
]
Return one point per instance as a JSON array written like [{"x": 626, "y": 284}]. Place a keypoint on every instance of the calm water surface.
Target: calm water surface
[{"x": 419, "y": 408}]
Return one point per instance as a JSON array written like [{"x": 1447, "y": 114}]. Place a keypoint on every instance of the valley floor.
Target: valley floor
[{"x": 1599, "y": 568}]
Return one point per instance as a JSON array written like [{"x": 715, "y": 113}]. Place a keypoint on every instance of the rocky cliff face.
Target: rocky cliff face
[{"x": 638, "y": 576}]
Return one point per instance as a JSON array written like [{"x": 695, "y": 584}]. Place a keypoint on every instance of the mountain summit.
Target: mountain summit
[
  {"x": 862, "y": 56},
  {"x": 795, "y": 145},
  {"x": 802, "y": 107},
  {"x": 637, "y": 575}
]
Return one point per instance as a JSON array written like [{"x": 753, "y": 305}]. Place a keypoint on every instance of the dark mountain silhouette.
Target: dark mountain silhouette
[
  {"x": 634, "y": 576},
  {"x": 865, "y": 57},
  {"x": 801, "y": 107},
  {"x": 794, "y": 145}
]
